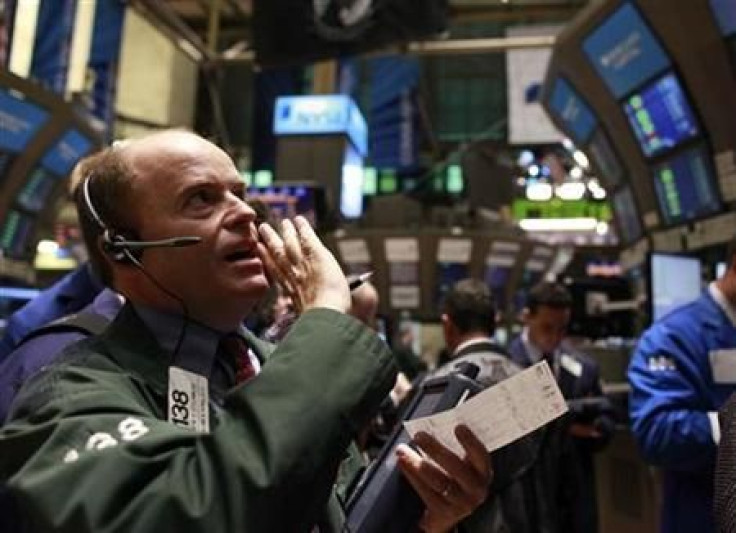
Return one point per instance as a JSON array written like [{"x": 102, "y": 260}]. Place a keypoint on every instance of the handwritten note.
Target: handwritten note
[{"x": 502, "y": 413}]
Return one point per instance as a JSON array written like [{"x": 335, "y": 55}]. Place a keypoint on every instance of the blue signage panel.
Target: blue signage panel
[
  {"x": 724, "y": 12},
  {"x": 19, "y": 121},
  {"x": 316, "y": 115},
  {"x": 685, "y": 186},
  {"x": 572, "y": 110},
  {"x": 660, "y": 116},
  {"x": 624, "y": 51},
  {"x": 62, "y": 157}
]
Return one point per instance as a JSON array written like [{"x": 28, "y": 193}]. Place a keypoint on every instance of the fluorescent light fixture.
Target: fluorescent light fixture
[
  {"x": 539, "y": 192},
  {"x": 47, "y": 247},
  {"x": 568, "y": 144},
  {"x": 572, "y": 190},
  {"x": 24, "y": 37},
  {"x": 533, "y": 170},
  {"x": 576, "y": 173},
  {"x": 558, "y": 224},
  {"x": 581, "y": 159},
  {"x": 601, "y": 228}
]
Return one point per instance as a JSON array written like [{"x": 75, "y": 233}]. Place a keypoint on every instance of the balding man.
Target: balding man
[{"x": 177, "y": 419}]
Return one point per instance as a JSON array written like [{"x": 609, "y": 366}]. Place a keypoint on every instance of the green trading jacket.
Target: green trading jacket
[{"x": 88, "y": 447}]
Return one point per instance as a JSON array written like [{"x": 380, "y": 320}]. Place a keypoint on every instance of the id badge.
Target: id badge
[
  {"x": 723, "y": 366},
  {"x": 188, "y": 400}
]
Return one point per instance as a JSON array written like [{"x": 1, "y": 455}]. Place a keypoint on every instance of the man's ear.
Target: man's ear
[{"x": 448, "y": 328}]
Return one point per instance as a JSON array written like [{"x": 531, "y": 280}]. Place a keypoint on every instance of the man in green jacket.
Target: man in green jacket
[{"x": 172, "y": 420}]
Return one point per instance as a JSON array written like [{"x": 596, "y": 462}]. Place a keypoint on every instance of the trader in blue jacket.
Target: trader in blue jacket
[{"x": 683, "y": 370}]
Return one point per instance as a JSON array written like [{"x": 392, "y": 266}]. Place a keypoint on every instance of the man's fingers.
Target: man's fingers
[
  {"x": 428, "y": 485},
  {"x": 292, "y": 245},
  {"x": 475, "y": 450}
]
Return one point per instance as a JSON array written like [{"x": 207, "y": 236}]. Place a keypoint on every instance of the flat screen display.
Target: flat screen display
[
  {"x": 724, "y": 12},
  {"x": 37, "y": 190},
  {"x": 624, "y": 209},
  {"x": 16, "y": 234},
  {"x": 287, "y": 201},
  {"x": 62, "y": 156},
  {"x": 685, "y": 186},
  {"x": 20, "y": 121},
  {"x": 447, "y": 275},
  {"x": 572, "y": 111},
  {"x": 624, "y": 52},
  {"x": 674, "y": 281},
  {"x": 661, "y": 116},
  {"x": 601, "y": 152}
]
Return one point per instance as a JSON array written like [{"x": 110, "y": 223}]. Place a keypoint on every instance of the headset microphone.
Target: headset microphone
[
  {"x": 175, "y": 242},
  {"x": 120, "y": 248}
]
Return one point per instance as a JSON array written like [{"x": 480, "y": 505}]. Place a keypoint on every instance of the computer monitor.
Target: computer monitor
[
  {"x": 674, "y": 280},
  {"x": 286, "y": 200},
  {"x": 16, "y": 235},
  {"x": 627, "y": 217},
  {"x": 624, "y": 51},
  {"x": 685, "y": 186},
  {"x": 37, "y": 189},
  {"x": 610, "y": 171},
  {"x": 660, "y": 115},
  {"x": 572, "y": 110}
]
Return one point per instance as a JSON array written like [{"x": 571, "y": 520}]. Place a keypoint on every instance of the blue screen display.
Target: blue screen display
[
  {"x": 629, "y": 225},
  {"x": 15, "y": 236},
  {"x": 19, "y": 121},
  {"x": 685, "y": 187},
  {"x": 661, "y": 116},
  {"x": 62, "y": 157},
  {"x": 571, "y": 109},
  {"x": 447, "y": 275},
  {"x": 724, "y": 12},
  {"x": 37, "y": 190},
  {"x": 624, "y": 51}
]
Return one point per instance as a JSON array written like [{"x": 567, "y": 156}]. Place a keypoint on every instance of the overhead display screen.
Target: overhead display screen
[
  {"x": 62, "y": 157},
  {"x": 724, "y": 12},
  {"x": 685, "y": 186},
  {"x": 624, "y": 52},
  {"x": 661, "y": 116},
  {"x": 572, "y": 110},
  {"x": 37, "y": 190},
  {"x": 15, "y": 236},
  {"x": 624, "y": 209},
  {"x": 609, "y": 167},
  {"x": 674, "y": 281},
  {"x": 20, "y": 120}
]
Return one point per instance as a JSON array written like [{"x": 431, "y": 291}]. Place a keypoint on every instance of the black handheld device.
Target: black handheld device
[{"x": 383, "y": 500}]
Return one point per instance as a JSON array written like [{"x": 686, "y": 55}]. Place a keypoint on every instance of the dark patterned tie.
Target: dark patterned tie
[{"x": 234, "y": 346}]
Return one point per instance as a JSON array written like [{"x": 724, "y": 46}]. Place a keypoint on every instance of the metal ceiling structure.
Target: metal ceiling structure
[{"x": 221, "y": 30}]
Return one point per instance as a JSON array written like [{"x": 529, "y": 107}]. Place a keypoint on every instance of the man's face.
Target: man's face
[
  {"x": 547, "y": 327},
  {"x": 187, "y": 186}
]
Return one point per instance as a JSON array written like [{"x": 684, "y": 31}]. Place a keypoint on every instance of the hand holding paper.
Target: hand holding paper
[{"x": 500, "y": 414}]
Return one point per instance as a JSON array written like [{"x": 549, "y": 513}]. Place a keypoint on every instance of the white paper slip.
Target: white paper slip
[{"x": 500, "y": 414}]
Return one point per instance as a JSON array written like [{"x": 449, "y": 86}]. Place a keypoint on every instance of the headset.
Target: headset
[{"x": 121, "y": 249}]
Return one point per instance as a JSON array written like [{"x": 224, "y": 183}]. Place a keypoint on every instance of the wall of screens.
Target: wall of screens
[
  {"x": 627, "y": 216},
  {"x": 609, "y": 168}
]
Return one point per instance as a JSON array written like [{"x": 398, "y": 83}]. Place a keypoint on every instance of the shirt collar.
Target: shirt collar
[
  {"x": 471, "y": 342},
  {"x": 722, "y": 302},
  {"x": 199, "y": 345},
  {"x": 535, "y": 354}
]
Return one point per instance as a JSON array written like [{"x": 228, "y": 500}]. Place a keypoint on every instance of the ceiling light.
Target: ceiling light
[
  {"x": 580, "y": 158},
  {"x": 558, "y": 224},
  {"x": 539, "y": 192},
  {"x": 572, "y": 190}
]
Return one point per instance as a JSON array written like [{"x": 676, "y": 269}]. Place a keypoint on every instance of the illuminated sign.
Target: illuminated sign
[
  {"x": 19, "y": 121},
  {"x": 317, "y": 115},
  {"x": 62, "y": 157},
  {"x": 572, "y": 110},
  {"x": 624, "y": 51}
]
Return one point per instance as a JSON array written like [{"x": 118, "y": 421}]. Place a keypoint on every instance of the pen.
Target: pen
[{"x": 356, "y": 281}]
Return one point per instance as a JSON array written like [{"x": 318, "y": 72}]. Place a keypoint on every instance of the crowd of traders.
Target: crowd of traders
[{"x": 101, "y": 432}]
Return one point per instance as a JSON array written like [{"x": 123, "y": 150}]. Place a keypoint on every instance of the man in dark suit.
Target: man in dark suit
[
  {"x": 547, "y": 314},
  {"x": 174, "y": 418}
]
